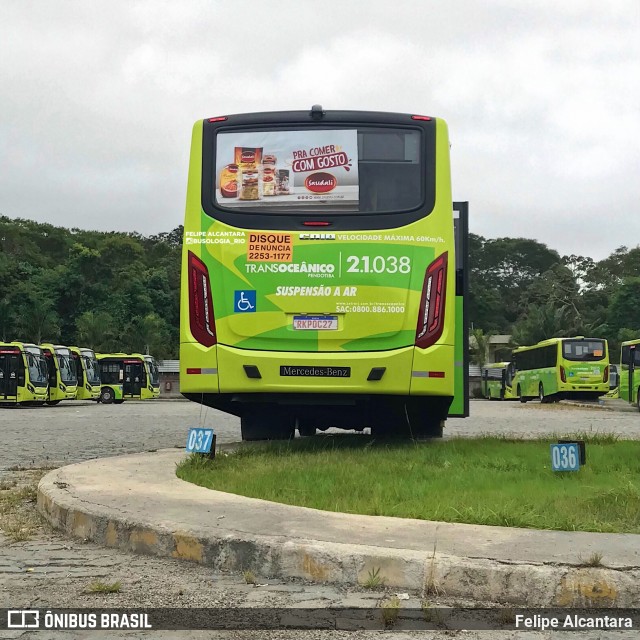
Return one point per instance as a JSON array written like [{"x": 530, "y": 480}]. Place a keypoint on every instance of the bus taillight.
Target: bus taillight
[
  {"x": 431, "y": 312},
  {"x": 201, "y": 319},
  {"x": 563, "y": 375},
  {"x": 605, "y": 378}
]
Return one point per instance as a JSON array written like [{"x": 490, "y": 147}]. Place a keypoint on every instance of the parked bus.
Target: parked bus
[
  {"x": 63, "y": 384},
  {"x": 321, "y": 282},
  {"x": 23, "y": 374},
  {"x": 497, "y": 381},
  {"x": 87, "y": 373},
  {"x": 562, "y": 368},
  {"x": 629, "y": 372},
  {"x": 127, "y": 377}
]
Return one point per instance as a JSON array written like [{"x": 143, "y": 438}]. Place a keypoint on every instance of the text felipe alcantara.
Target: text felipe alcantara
[{"x": 572, "y": 621}]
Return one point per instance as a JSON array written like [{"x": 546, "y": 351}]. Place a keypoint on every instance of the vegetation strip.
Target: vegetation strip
[{"x": 488, "y": 480}]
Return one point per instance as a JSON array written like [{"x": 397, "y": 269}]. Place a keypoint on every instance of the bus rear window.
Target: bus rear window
[
  {"x": 583, "y": 350},
  {"x": 363, "y": 170}
]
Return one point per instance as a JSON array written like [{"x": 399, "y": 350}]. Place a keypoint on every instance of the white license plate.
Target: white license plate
[{"x": 315, "y": 323}]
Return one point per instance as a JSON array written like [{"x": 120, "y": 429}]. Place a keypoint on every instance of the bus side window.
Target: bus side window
[{"x": 625, "y": 355}]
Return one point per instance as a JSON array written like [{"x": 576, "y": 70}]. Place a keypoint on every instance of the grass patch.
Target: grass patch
[
  {"x": 390, "y": 609},
  {"x": 19, "y": 520},
  {"x": 104, "y": 587},
  {"x": 488, "y": 480},
  {"x": 374, "y": 580}
]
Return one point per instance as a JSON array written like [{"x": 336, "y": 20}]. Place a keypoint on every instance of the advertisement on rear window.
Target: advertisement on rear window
[{"x": 287, "y": 168}]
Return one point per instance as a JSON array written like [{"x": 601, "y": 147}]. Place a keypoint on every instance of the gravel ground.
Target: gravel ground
[{"x": 49, "y": 570}]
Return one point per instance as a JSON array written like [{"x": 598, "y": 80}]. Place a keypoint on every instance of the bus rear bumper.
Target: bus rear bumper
[{"x": 406, "y": 371}]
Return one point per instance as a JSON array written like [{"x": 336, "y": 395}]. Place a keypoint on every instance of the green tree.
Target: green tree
[{"x": 96, "y": 330}]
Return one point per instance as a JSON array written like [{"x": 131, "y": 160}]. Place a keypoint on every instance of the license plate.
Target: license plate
[
  {"x": 315, "y": 323},
  {"x": 315, "y": 372}
]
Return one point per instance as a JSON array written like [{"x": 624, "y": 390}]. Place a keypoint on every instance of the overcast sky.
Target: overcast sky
[{"x": 542, "y": 98}]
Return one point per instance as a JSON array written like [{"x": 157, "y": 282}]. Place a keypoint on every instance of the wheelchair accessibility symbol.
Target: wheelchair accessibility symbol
[{"x": 244, "y": 301}]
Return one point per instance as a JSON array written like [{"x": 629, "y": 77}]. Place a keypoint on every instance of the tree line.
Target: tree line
[
  {"x": 114, "y": 291},
  {"x": 521, "y": 287},
  {"x": 107, "y": 291}
]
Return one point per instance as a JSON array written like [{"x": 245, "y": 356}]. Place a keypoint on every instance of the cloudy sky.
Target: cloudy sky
[{"x": 542, "y": 98}]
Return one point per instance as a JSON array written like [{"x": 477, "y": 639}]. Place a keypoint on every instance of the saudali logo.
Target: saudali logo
[{"x": 320, "y": 182}]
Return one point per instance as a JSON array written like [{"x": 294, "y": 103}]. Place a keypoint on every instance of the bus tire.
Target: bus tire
[
  {"x": 53, "y": 403},
  {"x": 265, "y": 424},
  {"x": 545, "y": 399},
  {"x": 522, "y": 398},
  {"x": 306, "y": 431},
  {"x": 429, "y": 429},
  {"x": 638, "y": 400},
  {"x": 107, "y": 396}
]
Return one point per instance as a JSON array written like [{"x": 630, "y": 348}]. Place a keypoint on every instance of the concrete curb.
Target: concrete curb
[{"x": 129, "y": 511}]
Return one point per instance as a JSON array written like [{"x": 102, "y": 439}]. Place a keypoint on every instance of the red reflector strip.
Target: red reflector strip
[
  {"x": 218, "y": 119},
  {"x": 436, "y": 374},
  {"x": 316, "y": 224},
  {"x": 420, "y": 118},
  {"x": 194, "y": 371}
]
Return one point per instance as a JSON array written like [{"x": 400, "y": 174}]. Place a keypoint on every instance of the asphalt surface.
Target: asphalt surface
[{"x": 76, "y": 431}]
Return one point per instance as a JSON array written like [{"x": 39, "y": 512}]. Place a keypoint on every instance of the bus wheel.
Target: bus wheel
[
  {"x": 265, "y": 424},
  {"x": 541, "y": 392},
  {"x": 107, "y": 396},
  {"x": 52, "y": 403},
  {"x": 638, "y": 400},
  {"x": 429, "y": 429},
  {"x": 306, "y": 431},
  {"x": 522, "y": 398}
]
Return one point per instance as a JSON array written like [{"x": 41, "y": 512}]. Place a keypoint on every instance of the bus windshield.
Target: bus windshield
[
  {"x": 583, "y": 350},
  {"x": 37, "y": 366},
  {"x": 91, "y": 367},
  {"x": 67, "y": 367},
  {"x": 367, "y": 169},
  {"x": 154, "y": 378}
]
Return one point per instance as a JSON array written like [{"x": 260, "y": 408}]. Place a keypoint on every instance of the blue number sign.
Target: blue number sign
[
  {"x": 199, "y": 440},
  {"x": 565, "y": 457}
]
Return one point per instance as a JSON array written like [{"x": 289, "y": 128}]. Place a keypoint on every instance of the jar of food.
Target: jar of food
[
  {"x": 229, "y": 181},
  {"x": 268, "y": 182},
  {"x": 250, "y": 189},
  {"x": 282, "y": 182}
]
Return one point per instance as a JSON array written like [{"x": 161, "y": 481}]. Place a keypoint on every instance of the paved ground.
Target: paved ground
[
  {"x": 72, "y": 432},
  {"x": 51, "y": 570}
]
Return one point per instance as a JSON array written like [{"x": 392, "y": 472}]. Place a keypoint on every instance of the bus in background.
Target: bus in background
[
  {"x": 629, "y": 372},
  {"x": 497, "y": 381},
  {"x": 23, "y": 374},
  {"x": 321, "y": 282},
  {"x": 63, "y": 384},
  {"x": 87, "y": 373},
  {"x": 127, "y": 377},
  {"x": 562, "y": 368}
]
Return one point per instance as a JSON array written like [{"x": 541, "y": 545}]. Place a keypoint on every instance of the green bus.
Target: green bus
[
  {"x": 87, "y": 373},
  {"x": 323, "y": 284},
  {"x": 496, "y": 381},
  {"x": 629, "y": 372},
  {"x": 127, "y": 376},
  {"x": 560, "y": 368},
  {"x": 23, "y": 374},
  {"x": 63, "y": 383}
]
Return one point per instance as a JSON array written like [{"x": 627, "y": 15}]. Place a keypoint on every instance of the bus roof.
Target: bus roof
[
  {"x": 318, "y": 115},
  {"x": 552, "y": 341},
  {"x": 628, "y": 343}
]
